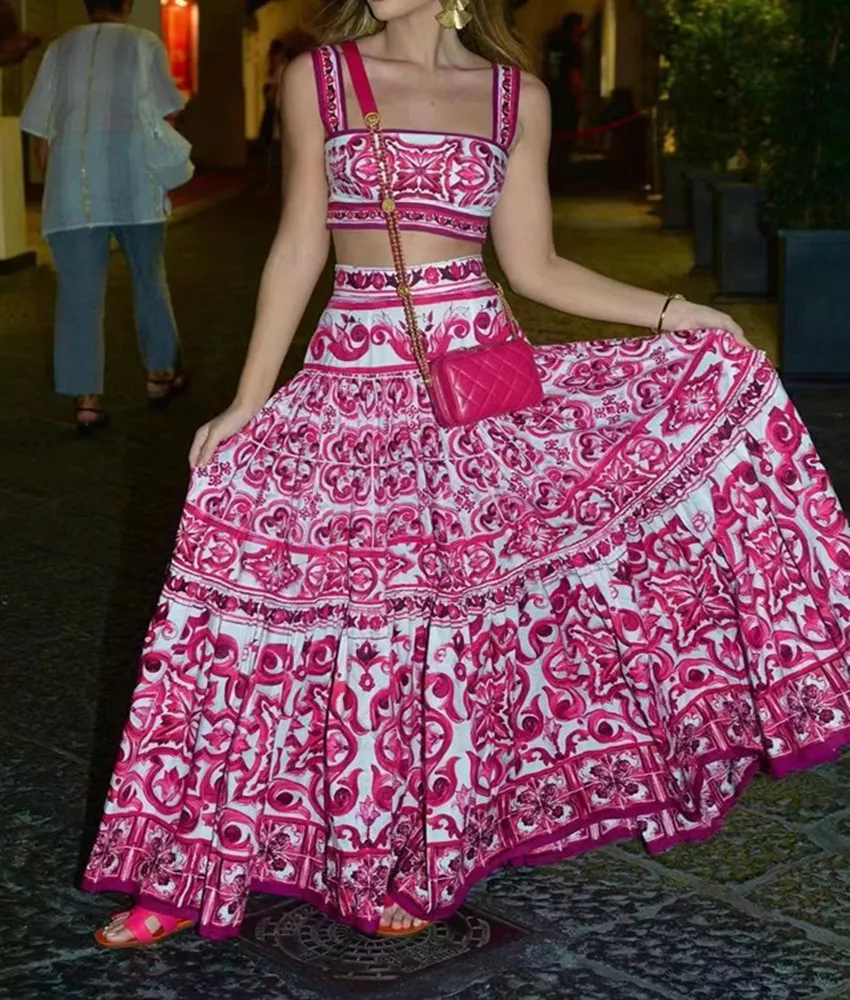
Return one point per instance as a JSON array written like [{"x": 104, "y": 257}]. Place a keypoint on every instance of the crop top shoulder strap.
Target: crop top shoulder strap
[
  {"x": 330, "y": 85},
  {"x": 506, "y": 87}
]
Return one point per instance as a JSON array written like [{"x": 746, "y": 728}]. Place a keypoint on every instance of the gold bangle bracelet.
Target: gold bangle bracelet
[{"x": 665, "y": 307}]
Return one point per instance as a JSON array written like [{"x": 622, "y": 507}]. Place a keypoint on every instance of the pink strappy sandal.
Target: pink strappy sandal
[{"x": 142, "y": 936}]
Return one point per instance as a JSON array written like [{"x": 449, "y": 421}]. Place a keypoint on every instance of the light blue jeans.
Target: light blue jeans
[{"x": 82, "y": 263}]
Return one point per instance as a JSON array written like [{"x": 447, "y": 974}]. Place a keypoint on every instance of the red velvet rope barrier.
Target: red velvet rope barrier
[{"x": 600, "y": 129}]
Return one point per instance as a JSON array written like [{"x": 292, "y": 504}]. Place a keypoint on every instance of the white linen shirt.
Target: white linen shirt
[{"x": 85, "y": 103}]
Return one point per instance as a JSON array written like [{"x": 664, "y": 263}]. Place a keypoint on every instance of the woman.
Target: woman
[
  {"x": 85, "y": 111},
  {"x": 390, "y": 655}
]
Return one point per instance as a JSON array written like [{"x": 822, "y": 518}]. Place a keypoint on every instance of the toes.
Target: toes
[
  {"x": 116, "y": 932},
  {"x": 400, "y": 920}
]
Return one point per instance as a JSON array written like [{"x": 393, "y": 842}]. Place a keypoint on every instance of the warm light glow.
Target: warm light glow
[
  {"x": 180, "y": 34},
  {"x": 608, "y": 69}
]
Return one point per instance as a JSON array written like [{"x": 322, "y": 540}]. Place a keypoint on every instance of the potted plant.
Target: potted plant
[
  {"x": 665, "y": 17},
  {"x": 695, "y": 105},
  {"x": 808, "y": 180},
  {"x": 723, "y": 54},
  {"x": 744, "y": 250}
]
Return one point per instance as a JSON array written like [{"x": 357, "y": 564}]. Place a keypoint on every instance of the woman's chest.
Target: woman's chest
[
  {"x": 458, "y": 102},
  {"x": 464, "y": 171}
]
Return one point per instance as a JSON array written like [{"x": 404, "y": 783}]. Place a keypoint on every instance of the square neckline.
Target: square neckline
[
  {"x": 347, "y": 133},
  {"x": 497, "y": 71}
]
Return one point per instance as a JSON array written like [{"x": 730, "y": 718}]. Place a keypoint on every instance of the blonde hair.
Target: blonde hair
[{"x": 487, "y": 34}]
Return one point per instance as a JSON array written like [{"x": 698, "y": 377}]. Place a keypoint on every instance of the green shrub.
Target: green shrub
[
  {"x": 808, "y": 162},
  {"x": 724, "y": 58}
]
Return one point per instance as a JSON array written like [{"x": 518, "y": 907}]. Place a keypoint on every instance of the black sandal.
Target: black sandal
[
  {"x": 88, "y": 427},
  {"x": 169, "y": 386}
]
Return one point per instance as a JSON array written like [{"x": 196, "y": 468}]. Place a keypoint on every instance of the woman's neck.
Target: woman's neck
[{"x": 418, "y": 38}]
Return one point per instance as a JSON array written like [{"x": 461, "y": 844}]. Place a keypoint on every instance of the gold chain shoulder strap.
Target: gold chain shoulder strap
[{"x": 388, "y": 208}]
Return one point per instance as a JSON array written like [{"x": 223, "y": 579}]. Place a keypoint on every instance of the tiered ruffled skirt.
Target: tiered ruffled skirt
[{"x": 390, "y": 657}]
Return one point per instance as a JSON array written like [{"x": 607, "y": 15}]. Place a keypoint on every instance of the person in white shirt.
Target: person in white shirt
[{"x": 84, "y": 110}]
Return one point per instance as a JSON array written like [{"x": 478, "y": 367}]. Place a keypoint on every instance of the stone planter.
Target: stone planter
[
  {"x": 743, "y": 251},
  {"x": 702, "y": 215},
  {"x": 675, "y": 208},
  {"x": 813, "y": 299}
]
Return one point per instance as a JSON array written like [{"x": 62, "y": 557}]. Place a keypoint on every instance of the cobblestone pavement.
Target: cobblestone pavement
[{"x": 762, "y": 912}]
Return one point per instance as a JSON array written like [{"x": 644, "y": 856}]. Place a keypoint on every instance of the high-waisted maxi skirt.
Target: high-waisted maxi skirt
[{"x": 391, "y": 657}]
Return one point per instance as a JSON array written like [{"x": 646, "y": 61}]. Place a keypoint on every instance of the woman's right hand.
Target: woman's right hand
[{"x": 219, "y": 429}]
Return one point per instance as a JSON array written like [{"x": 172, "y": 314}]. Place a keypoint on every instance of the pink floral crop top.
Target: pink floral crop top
[{"x": 444, "y": 184}]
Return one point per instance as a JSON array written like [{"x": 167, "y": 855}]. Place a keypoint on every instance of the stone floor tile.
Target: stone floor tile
[
  {"x": 703, "y": 949},
  {"x": 802, "y": 798},
  {"x": 49, "y": 954},
  {"x": 43, "y": 922},
  {"x": 748, "y": 846},
  {"x": 556, "y": 974},
  {"x": 839, "y": 771},
  {"x": 47, "y": 684},
  {"x": 47, "y": 593},
  {"x": 574, "y": 895},
  {"x": 43, "y": 796},
  {"x": 817, "y": 891},
  {"x": 200, "y": 973},
  {"x": 842, "y": 828}
]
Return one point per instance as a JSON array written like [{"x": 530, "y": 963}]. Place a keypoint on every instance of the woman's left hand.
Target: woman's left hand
[{"x": 684, "y": 315}]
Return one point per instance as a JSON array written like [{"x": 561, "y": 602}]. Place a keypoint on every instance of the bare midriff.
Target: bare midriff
[{"x": 371, "y": 248}]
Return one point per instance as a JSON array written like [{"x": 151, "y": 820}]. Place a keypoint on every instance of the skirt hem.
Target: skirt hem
[{"x": 521, "y": 855}]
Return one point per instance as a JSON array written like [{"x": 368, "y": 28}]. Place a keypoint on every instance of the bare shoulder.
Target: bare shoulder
[
  {"x": 298, "y": 78},
  {"x": 534, "y": 95},
  {"x": 298, "y": 98},
  {"x": 298, "y": 84},
  {"x": 535, "y": 113}
]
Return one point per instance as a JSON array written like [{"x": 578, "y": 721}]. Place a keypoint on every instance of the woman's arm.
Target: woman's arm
[
  {"x": 41, "y": 148},
  {"x": 295, "y": 262},
  {"x": 522, "y": 233}
]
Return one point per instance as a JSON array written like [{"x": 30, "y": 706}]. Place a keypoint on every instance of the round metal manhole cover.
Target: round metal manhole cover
[{"x": 306, "y": 936}]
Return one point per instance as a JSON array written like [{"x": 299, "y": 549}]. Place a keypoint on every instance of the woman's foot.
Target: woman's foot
[
  {"x": 88, "y": 414},
  {"x": 163, "y": 386},
  {"x": 139, "y": 928},
  {"x": 397, "y": 922}
]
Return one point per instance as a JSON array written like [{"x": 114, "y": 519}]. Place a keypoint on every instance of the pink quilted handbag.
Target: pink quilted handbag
[
  {"x": 472, "y": 383},
  {"x": 477, "y": 382}
]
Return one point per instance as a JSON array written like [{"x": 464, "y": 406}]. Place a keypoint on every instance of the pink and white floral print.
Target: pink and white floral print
[
  {"x": 448, "y": 185},
  {"x": 444, "y": 184},
  {"x": 390, "y": 657}
]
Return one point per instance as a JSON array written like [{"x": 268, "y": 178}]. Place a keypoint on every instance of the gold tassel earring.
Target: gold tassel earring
[{"x": 454, "y": 14}]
